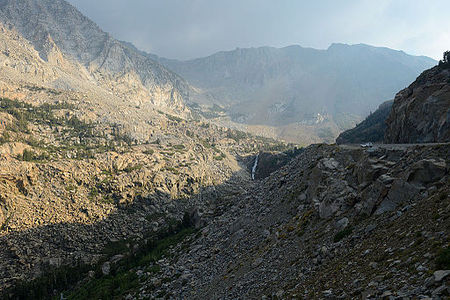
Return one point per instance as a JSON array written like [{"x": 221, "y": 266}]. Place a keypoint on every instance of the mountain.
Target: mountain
[
  {"x": 302, "y": 94},
  {"x": 56, "y": 25},
  {"x": 86, "y": 167},
  {"x": 421, "y": 112},
  {"x": 109, "y": 190},
  {"x": 371, "y": 129}
]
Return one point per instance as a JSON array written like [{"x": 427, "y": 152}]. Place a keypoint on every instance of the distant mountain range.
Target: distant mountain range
[{"x": 301, "y": 92}]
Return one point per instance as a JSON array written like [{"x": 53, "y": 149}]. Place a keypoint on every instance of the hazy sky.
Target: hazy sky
[{"x": 193, "y": 28}]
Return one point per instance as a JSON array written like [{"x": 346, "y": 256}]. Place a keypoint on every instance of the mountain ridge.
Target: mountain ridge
[
  {"x": 286, "y": 88},
  {"x": 113, "y": 65}
]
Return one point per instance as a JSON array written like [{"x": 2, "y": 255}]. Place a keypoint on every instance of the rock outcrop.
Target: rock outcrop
[
  {"x": 69, "y": 187},
  {"x": 421, "y": 112}
]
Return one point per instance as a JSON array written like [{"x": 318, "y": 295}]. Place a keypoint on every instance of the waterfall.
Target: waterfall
[{"x": 255, "y": 165}]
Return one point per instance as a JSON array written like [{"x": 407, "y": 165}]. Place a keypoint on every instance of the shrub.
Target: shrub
[
  {"x": 28, "y": 155},
  {"x": 148, "y": 152},
  {"x": 4, "y": 138},
  {"x": 342, "y": 234},
  {"x": 130, "y": 169},
  {"x": 445, "y": 62},
  {"x": 443, "y": 259}
]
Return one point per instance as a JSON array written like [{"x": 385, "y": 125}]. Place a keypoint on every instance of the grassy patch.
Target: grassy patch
[
  {"x": 130, "y": 169},
  {"x": 29, "y": 155}
]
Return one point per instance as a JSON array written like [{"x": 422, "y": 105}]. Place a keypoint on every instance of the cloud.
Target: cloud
[{"x": 193, "y": 28}]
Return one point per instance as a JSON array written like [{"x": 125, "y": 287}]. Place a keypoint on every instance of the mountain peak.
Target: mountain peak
[{"x": 50, "y": 24}]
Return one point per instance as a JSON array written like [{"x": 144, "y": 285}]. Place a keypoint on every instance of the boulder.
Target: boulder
[
  {"x": 427, "y": 171},
  {"x": 401, "y": 193},
  {"x": 106, "y": 268},
  {"x": 440, "y": 275}
]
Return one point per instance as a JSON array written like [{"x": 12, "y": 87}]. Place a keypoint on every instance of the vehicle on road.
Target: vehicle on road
[{"x": 367, "y": 145}]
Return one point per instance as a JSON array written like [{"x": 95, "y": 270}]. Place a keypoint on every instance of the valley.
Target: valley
[{"x": 124, "y": 175}]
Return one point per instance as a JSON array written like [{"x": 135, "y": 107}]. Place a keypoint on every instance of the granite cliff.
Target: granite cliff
[
  {"x": 421, "y": 112},
  {"x": 57, "y": 26}
]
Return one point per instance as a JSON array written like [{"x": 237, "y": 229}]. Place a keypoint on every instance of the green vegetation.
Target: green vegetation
[
  {"x": 173, "y": 170},
  {"x": 29, "y": 155},
  {"x": 93, "y": 193},
  {"x": 5, "y": 223},
  {"x": 77, "y": 139},
  {"x": 304, "y": 221},
  {"x": 130, "y": 168},
  {"x": 179, "y": 147},
  {"x": 342, "y": 234},
  {"x": 206, "y": 144},
  {"x": 443, "y": 259},
  {"x": 4, "y": 138},
  {"x": 445, "y": 62},
  {"x": 122, "y": 278},
  {"x": 40, "y": 88},
  {"x": 25, "y": 113},
  {"x": 174, "y": 118},
  {"x": 236, "y": 135},
  {"x": 220, "y": 157},
  {"x": 148, "y": 152}
]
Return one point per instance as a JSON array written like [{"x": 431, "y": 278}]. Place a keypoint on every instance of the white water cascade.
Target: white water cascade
[{"x": 255, "y": 165}]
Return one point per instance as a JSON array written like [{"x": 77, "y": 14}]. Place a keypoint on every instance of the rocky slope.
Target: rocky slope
[
  {"x": 26, "y": 76},
  {"x": 335, "y": 223},
  {"x": 371, "y": 129},
  {"x": 91, "y": 152},
  {"x": 298, "y": 94},
  {"x": 56, "y": 26},
  {"x": 421, "y": 112},
  {"x": 69, "y": 187}
]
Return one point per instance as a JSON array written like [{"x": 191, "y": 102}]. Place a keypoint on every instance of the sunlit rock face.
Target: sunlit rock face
[{"x": 53, "y": 26}]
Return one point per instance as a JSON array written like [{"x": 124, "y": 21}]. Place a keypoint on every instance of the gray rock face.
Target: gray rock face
[
  {"x": 113, "y": 63},
  {"x": 421, "y": 112}
]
